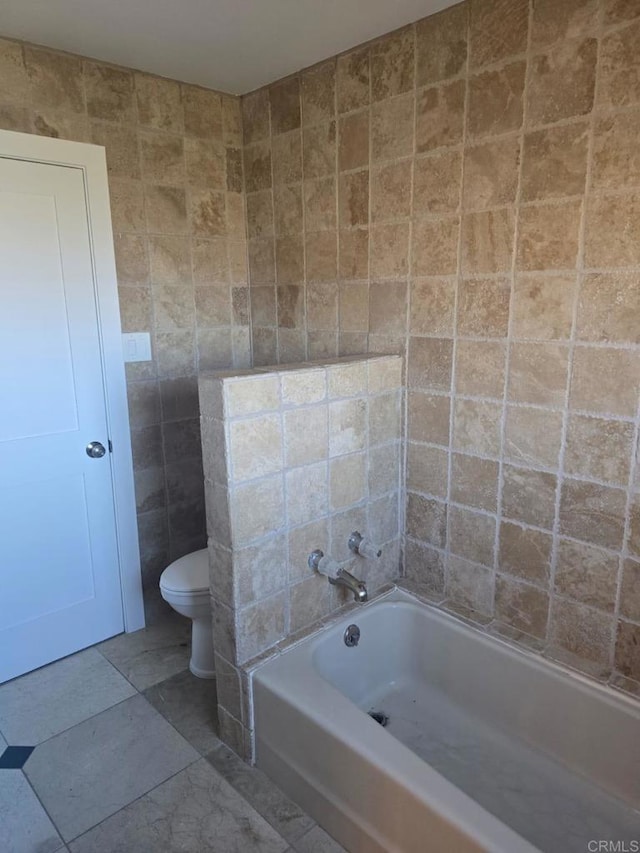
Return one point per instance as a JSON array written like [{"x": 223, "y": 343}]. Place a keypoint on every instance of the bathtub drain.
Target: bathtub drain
[{"x": 379, "y": 717}]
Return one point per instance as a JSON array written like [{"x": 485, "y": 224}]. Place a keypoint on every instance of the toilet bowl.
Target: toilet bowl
[{"x": 184, "y": 584}]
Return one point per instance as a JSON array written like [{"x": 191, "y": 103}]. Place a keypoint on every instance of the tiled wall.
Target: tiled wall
[
  {"x": 294, "y": 460},
  {"x": 467, "y": 191},
  {"x": 175, "y": 178}
]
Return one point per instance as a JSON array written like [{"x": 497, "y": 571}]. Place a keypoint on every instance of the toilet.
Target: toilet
[{"x": 184, "y": 584}]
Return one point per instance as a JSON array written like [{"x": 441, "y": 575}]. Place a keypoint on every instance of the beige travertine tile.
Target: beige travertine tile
[
  {"x": 302, "y": 541},
  {"x": 599, "y": 448},
  {"x": 263, "y": 306},
  {"x": 424, "y": 567},
  {"x": 383, "y": 470},
  {"x": 428, "y": 417},
  {"x": 441, "y": 45},
  {"x": 392, "y": 63},
  {"x": 121, "y": 144},
  {"x": 318, "y": 89},
  {"x": 259, "y": 570},
  {"x": 491, "y": 173},
  {"x": 562, "y": 82},
  {"x": 390, "y": 191},
  {"x": 533, "y": 436},
  {"x": 260, "y": 214},
  {"x": 319, "y": 204},
  {"x": 257, "y": 167},
  {"x": 352, "y": 80},
  {"x": 286, "y": 158},
  {"x": 202, "y": 112},
  {"x": 584, "y": 633},
  {"x": 538, "y": 373},
  {"x": 289, "y": 259},
  {"x": 474, "y": 481},
  {"x": 347, "y": 380},
  {"x": 613, "y": 231},
  {"x": 353, "y": 143},
  {"x": 159, "y": 103},
  {"x": 553, "y": 21},
  {"x": 389, "y": 252},
  {"x": 388, "y": 308},
  {"x": 132, "y": 261},
  {"x": 306, "y": 493},
  {"x": 497, "y": 30},
  {"x": 174, "y": 306},
  {"x": 483, "y": 307},
  {"x": 440, "y": 116},
  {"x": 55, "y": 78},
  {"x": 630, "y": 590},
  {"x": 476, "y": 427},
  {"x": 262, "y": 625},
  {"x": 548, "y": 236},
  {"x": 384, "y": 418},
  {"x": 347, "y": 426},
  {"x": 430, "y": 363},
  {"x": 306, "y": 436},
  {"x": 303, "y": 388},
  {"x": 109, "y": 92},
  {"x": 619, "y": 83},
  {"x": 321, "y": 249},
  {"x": 166, "y": 209},
  {"x": 543, "y": 306},
  {"x": 284, "y": 102},
  {"x": 617, "y": 11},
  {"x": 432, "y": 305},
  {"x": 525, "y": 553},
  {"x": 322, "y": 306},
  {"x": 592, "y": 513},
  {"x": 311, "y": 600},
  {"x": 627, "y": 660},
  {"x": 207, "y": 213},
  {"x": 605, "y": 380},
  {"x": 436, "y": 187},
  {"x": 287, "y": 209},
  {"x": 256, "y": 509},
  {"x": 392, "y": 128},
  {"x": 587, "y": 574},
  {"x": 135, "y": 308},
  {"x": 427, "y": 469},
  {"x": 255, "y": 116},
  {"x": 487, "y": 241},
  {"x": 354, "y": 199},
  {"x": 496, "y": 101},
  {"x": 347, "y": 481},
  {"x": 434, "y": 247},
  {"x": 170, "y": 260},
  {"x": 480, "y": 367},
  {"x": 353, "y": 258},
  {"x": 206, "y": 164},
  {"x": 472, "y": 535},
  {"x": 529, "y": 496},
  {"x": 554, "y": 162},
  {"x": 524, "y": 607},
  {"x": 427, "y": 519},
  {"x": 634, "y": 525},
  {"x": 469, "y": 584},
  {"x": 616, "y": 160},
  {"x": 248, "y": 397},
  {"x": 14, "y": 85},
  {"x": 385, "y": 374},
  {"x": 319, "y": 149},
  {"x": 353, "y": 306}
]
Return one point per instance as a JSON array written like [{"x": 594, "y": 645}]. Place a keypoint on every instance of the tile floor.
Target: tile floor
[{"x": 114, "y": 750}]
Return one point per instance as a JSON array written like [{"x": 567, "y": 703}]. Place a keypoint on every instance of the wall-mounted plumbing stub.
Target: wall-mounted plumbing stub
[{"x": 363, "y": 547}]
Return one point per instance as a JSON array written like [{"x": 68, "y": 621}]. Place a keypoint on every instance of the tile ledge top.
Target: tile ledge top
[{"x": 298, "y": 365}]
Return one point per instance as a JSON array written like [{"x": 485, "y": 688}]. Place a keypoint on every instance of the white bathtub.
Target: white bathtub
[{"x": 487, "y": 747}]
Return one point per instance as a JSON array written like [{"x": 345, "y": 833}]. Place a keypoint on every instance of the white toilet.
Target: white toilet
[{"x": 185, "y": 586}]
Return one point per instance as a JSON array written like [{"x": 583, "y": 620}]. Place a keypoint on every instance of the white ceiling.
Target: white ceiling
[{"x": 232, "y": 45}]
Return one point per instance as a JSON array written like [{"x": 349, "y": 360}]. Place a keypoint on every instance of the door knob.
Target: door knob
[{"x": 95, "y": 450}]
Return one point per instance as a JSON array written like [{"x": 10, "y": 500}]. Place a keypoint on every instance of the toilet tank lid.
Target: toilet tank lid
[{"x": 188, "y": 574}]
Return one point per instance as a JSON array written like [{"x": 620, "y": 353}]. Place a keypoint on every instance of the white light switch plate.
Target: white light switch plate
[{"x": 136, "y": 346}]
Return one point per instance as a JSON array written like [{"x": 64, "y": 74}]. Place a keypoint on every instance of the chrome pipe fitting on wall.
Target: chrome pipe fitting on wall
[{"x": 363, "y": 547}]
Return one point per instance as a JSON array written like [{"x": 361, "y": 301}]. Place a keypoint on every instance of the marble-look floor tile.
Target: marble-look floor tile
[
  {"x": 317, "y": 841},
  {"x": 24, "y": 824},
  {"x": 190, "y": 705},
  {"x": 49, "y": 700},
  {"x": 196, "y": 811},
  {"x": 94, "y": 769},
  {"x": 153, "y": 654},
  {"x": 283, "y": 814}
]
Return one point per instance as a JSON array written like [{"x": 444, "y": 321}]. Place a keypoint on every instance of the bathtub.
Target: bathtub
[{"x": 486, "y": 747}]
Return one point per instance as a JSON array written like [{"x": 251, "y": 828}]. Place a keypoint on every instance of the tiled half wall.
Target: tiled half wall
[{"x": 295, "y": 458}]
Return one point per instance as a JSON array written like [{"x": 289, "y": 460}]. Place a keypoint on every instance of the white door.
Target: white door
[{"x": 59, "y": 574}]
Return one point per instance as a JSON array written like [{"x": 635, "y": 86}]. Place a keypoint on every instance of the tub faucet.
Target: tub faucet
[{"x": 337, "y": 576}]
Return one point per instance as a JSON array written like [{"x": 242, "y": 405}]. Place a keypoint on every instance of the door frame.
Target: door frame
[{"x": 91, "y": 159}]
